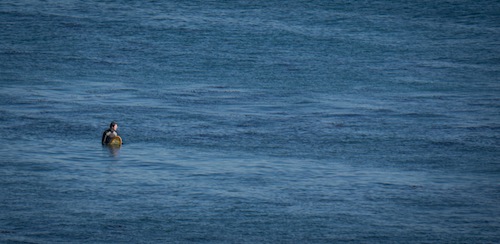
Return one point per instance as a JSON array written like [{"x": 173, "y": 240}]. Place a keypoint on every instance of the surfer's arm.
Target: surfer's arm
[{"x": 103, "y": 141}]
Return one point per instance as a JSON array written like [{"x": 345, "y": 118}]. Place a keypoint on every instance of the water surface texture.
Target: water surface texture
[{"x": 250, "y": 121}]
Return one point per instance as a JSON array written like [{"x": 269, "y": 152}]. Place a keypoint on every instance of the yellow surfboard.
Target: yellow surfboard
[{"x": 115, "y": 142}]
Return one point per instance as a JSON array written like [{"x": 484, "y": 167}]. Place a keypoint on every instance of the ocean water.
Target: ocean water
[{"x": 250, "y": 121}]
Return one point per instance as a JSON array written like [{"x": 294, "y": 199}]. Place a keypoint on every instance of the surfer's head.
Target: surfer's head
[{"x": 113, "y": 125}]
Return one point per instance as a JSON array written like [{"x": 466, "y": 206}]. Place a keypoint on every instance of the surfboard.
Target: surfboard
[{"x": 115, "y": 142}]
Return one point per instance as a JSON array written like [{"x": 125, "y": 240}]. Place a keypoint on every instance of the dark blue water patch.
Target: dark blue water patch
[{"x": 224, "y": 210}]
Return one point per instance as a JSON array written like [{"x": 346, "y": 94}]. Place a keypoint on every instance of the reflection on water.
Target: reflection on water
[{"x": 114, "y": 151}]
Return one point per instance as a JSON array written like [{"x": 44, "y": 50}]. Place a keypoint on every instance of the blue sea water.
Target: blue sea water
[{"x": 250, "y": 121}]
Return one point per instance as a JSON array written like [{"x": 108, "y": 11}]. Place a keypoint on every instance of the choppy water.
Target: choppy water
[{"x": 250, "y": 121}]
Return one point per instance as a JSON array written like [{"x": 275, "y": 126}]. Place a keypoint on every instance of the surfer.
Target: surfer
[{"x": 110, "y": 133}]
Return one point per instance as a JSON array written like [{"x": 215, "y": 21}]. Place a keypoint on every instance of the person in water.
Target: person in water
[{"x": 108, "y": 134}]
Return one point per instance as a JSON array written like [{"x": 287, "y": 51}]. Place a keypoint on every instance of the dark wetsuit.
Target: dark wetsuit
[{"x": 107, "y": 135}]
